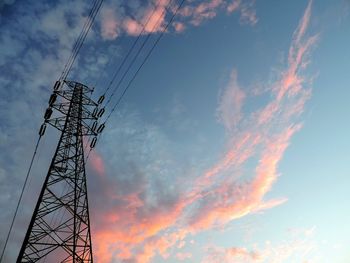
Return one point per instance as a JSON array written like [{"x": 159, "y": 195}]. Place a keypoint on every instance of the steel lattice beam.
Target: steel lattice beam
[{"x": 59, "y": 230}]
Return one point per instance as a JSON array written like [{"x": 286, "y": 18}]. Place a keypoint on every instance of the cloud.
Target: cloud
[
  {"x": 97, "y": 163},
  {"x": 149, "y": 218},
  {"x": 222, "y": 255},
  {"x": 138, "y": 214},
  {"x": 248, "y": 13},
  {"x": 5, "y": 3},
  {"x": 266, "y": 134},
  {"x": 233, "y": 6},
  {"x": 295, "y": 248},
  {"x": 109, "y": 25},
  {"x": 231, "y": 102},
  {"x": 29, "y": 66},
  {"x": 152, "y": 15},
  {"x": 183, "y": 255},
  {"x": 179, "y": 27}
]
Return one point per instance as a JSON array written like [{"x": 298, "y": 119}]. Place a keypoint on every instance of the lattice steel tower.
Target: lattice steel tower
[{"x": 59, "y": 230}]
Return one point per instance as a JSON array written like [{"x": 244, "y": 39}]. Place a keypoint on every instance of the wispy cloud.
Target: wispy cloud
[
  {"x": 231, "y": 102},
  {"x": 138, "y": 213},
  {"x": 152, "y": 15},
  {"x": 296, "y": 248},
  {"x": 147, "y": 220},
  {"x": 226, "y": 255}
]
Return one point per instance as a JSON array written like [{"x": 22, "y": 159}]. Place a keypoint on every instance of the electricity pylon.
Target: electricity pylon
[{"x": 59, "y": 230}]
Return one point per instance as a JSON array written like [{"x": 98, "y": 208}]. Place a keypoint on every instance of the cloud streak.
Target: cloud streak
[
  {"x": 138, "y": 214},
  {"x": 295, "y": 249},
  {"x": 153, "y": 14},
  {"x": 143, "y": 222}
]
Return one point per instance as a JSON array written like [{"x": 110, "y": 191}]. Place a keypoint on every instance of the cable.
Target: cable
[
  {"x": 131, "y": 63},
  {"x": 97, "y": 82},
  {"x": 67, "y": 68},
  {"x": 144, "y": 60},
  {"x": 20, "y": 197},
  {"x": 78, "y": 44},
  {"x": 137, "y": 54},
  {"x": 87, "y": 31},
  {"x": 90, "y": 21},
  {"x": 129, "y": 51},
  {"x": 140, "y": 67},
  {"x": 79, "y": 41}
]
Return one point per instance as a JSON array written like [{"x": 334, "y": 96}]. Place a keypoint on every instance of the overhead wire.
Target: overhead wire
[
  {"x": 99, "y": 78},
  {"x": 141, "y": 65},
  {"x": 131, "y": 49},
  {"x": 20, "y": 197},
  {"x": 80, "y": 41},
  {"x": 76, "y": 44},
  {"x": 66, "y": 70},
  {"x": 144, "y": 61}
]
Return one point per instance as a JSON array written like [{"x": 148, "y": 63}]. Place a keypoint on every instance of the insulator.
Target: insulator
[
  {"x": 57, "y": 85},
  {"x": 94, "y": 113},
  {"x": 100, "y": 113},
  {"x": 101, "y": 99},
  {"x": 93, "y": 142},
  {"x": 94, "y": 125},
  {"x": 48, "y": 113},
  {"x": 101, "y": 128},
  {"x": 52, "y": 99},
  {"x": 42, "y": 129}
]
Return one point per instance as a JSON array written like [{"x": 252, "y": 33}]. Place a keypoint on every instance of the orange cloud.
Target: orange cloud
[
  {"x": 183, "y": 255},
  {"x": 228, "y": 255},
  {"x": 233, "y": 6},
  {"x": 132, "y": 228},
  {"x": 231, "y": 102},
  {"x": 273, "y": 127},
  {"x": 152, "y": 15},
  {"x": 294, "y": 249},
  {"x": 109, "y": 25},
  {"x": 179, "y": 27},
  {"x": 97, "y": 163}
]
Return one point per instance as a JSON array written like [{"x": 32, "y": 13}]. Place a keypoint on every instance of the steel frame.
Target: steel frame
[{"x": 59, "y": 230}]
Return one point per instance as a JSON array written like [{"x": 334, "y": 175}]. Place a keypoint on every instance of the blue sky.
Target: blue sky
[{"x": 230, "y": 145}]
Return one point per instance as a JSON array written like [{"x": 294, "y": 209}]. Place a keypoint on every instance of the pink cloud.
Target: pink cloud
[
  {"x": 296, "y": 248},
  {"x": 248, "y": 14},
  {"x": 132, "y": 27},
  {"x": 274, "y": 126},
  {"x": 228, "y": 255},
  {"x": 153, "y": 14},
  {"x": 154, "y": 19},
  {"x": 139, "y": 230},
  {"x": 233, "y": 6},
  {"x": 179, "y": 27},
  {"x": 231, "y": 102},
  {"x": 97, "y": 163},
  {"x": 110, "y": 27},
  {"x": 232, "y": 200},
  {"x": 183, "y": 255}
]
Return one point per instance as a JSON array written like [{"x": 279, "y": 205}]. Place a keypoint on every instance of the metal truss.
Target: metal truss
[{"x": 59, "y": 230}]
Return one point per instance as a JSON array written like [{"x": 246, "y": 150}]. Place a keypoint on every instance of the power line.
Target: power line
[
  {"x": 20, "y": 197},
  {"x": 144, "y": 60},
  {"x": 80, "y": 41},
  {"x": 130, "y": 50},
  {"x": 141, "y": 65},
  {"x": 77, "y": 46},
  {"x": 127, "y": 56}
]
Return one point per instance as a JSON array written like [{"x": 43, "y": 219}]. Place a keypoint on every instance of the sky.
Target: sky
[{"x": 231, "y": 144}]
